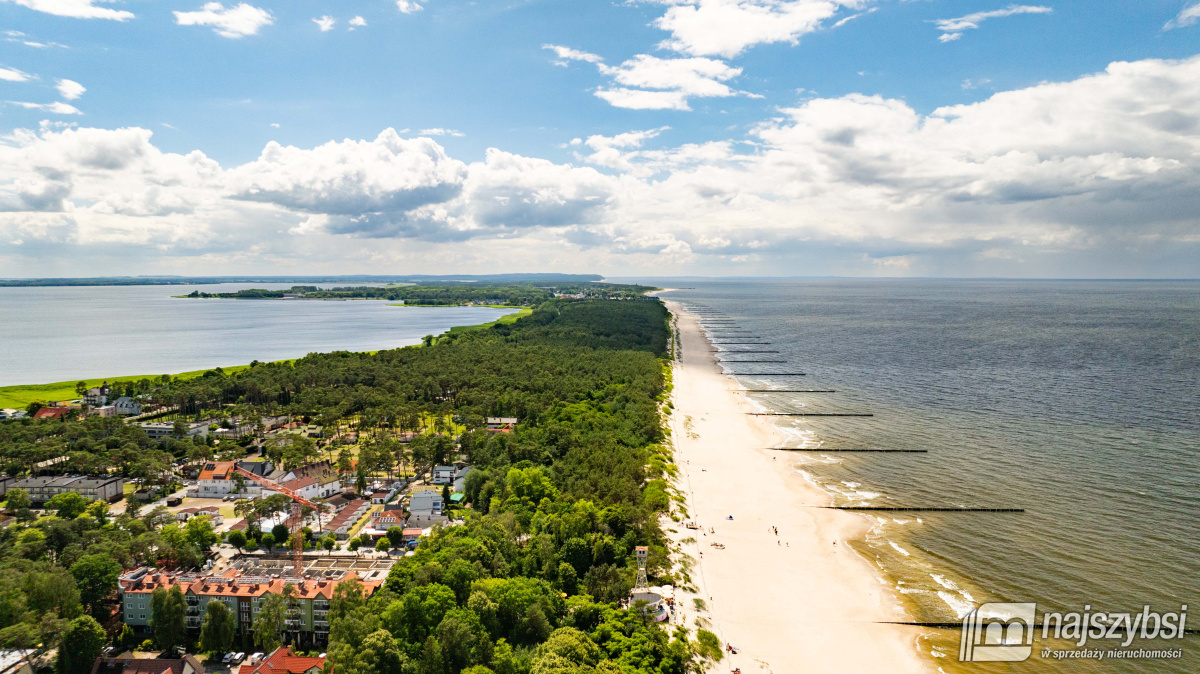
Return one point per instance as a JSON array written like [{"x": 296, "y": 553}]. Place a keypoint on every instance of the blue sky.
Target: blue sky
[{"x": 486, "y": 99}]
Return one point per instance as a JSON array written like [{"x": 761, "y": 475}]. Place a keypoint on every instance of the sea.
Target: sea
[
  {"x": 51, "y": 334},
  {"x": 1078, "y": 402}
]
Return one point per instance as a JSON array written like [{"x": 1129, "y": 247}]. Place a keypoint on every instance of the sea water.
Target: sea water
[{"x": 1077, "y": 401}]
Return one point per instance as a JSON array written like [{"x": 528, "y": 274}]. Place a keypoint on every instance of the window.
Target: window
[{"x": 143, "y": 616}]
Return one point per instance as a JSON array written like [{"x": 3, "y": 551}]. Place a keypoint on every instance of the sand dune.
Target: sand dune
[{"x": 799, "y": 601}]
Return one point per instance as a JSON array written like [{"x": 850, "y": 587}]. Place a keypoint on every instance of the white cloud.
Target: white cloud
[
  {"x": 952, "y": 29},
  {"x": 13, "y": 75},
  {"x": 566, "y": 54},
  {"x": 1037, "y": 181},
  {"x": 57, "y": 108},
  {"x": 77, "y": 9},
  {"x": 357, "y": 22},
  {"x": 235, "y": 22},
  {"x": 637, "y": 99},
  {"x": 325, "y": 23},
  {"x": 408, "y": 6},
  {"x": 274, "y": 125},
  {"x": 729, "y": 27},
  {"x": 69, "y": 89},
  {"x": 441, "y": 132},
  {"x": 647, "y": 82},
  {"x": 1188, "y": 16}
]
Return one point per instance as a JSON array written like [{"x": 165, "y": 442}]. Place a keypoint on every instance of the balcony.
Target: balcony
[
  {"x": 193, "y": 599},
  {"x": 193, "y": 610},
  {"x": 320, "y": 612},
  {"x": 320, "y": 626},
  {"x": 320, "y": 606}
]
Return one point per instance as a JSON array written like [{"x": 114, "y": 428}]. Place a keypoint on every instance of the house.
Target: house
[
  {"x": 212, "y": 512},
  {"x": 382, "y": 495},
  {"x": 126, "y": 405},
  {"x": 95, "y": 397},
  {"x": 306, "y": 487},
  {"x": 328, "y": 486},
  {"x": 10, "y": 413},
  {"x": 424, "y": 520},
  {"x": 385, "y": 519},
  {"x": 283, "y": 661},
  {"x": 460, "y": 478},
  {"x": 411, "y": 535},
  {"x": 443, "y": 474},
  {"x": 216, "y": 480},
  {"x": 103, "y": 411},
  {"x": 426, "y": 502},
  {"x": 5, "y": 483},
  {"x": 52, "y": 413},
  {"x": 501, "y": 423},
  {"x": 126, "y": 663}
]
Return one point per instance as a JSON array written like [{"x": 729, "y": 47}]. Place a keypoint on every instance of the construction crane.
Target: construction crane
[{"x": 295, "y": 522}]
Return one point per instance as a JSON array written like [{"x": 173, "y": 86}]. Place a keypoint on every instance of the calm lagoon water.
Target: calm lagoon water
[
  {"x": 50, "y": 334},
  {"x": 1078, "y": 401}
]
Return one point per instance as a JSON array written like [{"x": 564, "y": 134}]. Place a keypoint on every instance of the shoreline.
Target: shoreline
[{"x": 797, "y": 600}]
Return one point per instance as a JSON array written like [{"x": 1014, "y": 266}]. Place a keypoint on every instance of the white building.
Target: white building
[
  {"x": 9, "y": 413},
  {"x": 443, "y": 474},
  {"x": 158, "y": 430}
]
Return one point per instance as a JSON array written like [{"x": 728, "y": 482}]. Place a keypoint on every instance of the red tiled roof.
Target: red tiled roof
[
  {"x": 299, "y": 483},
  {"x": 228, "y": 585},
  {"x": 284, "y": 660},
  {"x": 51, "y": 412}
]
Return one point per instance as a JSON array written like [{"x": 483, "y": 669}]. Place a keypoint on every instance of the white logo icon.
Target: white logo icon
[{"x": 998, "y": 633}]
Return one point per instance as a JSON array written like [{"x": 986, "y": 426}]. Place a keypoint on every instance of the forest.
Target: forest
[{"x": 536, "y": 577}]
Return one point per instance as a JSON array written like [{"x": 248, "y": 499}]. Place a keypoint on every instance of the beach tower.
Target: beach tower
[
  {"x": 643, "y": 583},
  {"x": 642, "y": 592}
]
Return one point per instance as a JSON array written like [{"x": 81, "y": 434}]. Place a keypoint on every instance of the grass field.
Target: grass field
[{"x": 20, "y": 396}]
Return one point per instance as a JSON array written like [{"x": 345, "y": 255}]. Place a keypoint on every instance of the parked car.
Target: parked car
[
  {"x": 237, "y": 659},
  {"x": 228, "y": 658},
  {"x": 257, "y": 658}
]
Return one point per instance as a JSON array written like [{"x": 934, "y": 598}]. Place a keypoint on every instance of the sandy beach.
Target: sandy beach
[{"x": 798, "y": 600}]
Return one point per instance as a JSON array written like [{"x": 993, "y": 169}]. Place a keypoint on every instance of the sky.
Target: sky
[{"x": 955, "y": 138}]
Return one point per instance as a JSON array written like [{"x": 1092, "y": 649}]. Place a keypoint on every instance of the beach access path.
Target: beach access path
[{"x": 796, "y": 601}]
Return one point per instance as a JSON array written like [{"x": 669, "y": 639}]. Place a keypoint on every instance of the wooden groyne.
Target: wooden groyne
[
  {"x": 925, "y": 510},
  {"x": 885, "y": 451},
  {"x": 784, "y": 390},
  {"x": 810, "y": 414},
  {"x": 769, "y": 374},
  {"x": 753, "y": 361}
]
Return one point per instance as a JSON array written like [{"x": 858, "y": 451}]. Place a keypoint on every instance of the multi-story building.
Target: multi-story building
[
  {"x": 307, "y": 618},
  {"x": 42, "y": 489},
  {"x": 157, "y": 430}
]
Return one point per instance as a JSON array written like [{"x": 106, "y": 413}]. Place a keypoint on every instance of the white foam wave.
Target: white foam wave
[
  {"x": 898, "y": 548},
  {"x": 957, "y": 603},
  {"x": 944, "y": 581}
]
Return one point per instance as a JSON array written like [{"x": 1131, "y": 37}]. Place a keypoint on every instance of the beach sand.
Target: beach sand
[{"x": 796, "y": 601}]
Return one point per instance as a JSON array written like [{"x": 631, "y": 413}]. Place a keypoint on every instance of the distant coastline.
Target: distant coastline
[{"x": 350, "y": 278}]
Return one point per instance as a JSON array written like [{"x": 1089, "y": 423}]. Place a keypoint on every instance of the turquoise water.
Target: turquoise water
[
  {"x": 53, "y": 334},
  {"x": 1077, "y": 401}
]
